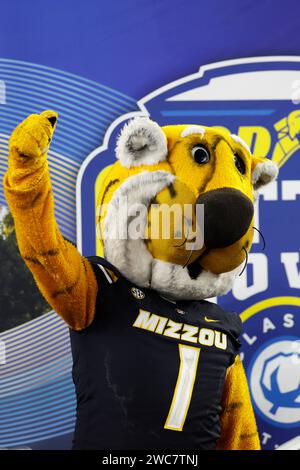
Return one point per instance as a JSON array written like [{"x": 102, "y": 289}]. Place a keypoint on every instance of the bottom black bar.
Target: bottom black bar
[{"x": 135, "y": 459}]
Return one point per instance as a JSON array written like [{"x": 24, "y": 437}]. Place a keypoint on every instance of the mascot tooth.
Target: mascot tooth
[{"x": 156, "y": 366}]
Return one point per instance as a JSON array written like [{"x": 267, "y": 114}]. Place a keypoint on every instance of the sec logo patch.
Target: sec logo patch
[{"x": 137, "y": 293}]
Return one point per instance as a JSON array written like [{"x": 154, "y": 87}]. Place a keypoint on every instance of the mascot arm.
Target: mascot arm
[
  {"x": 64, "y": 277},
  {"x": 238, "y": 426}
]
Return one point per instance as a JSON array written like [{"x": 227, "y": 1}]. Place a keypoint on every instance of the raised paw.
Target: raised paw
[{"x": 31, "y": 138}]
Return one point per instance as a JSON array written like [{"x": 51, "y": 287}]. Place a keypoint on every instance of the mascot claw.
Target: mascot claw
[{"x": 32, "y": 137}]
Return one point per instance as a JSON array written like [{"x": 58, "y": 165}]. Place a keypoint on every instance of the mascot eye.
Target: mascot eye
[
  {"x": 201, "y": 154},
  {"x": 239, "y": 163}
]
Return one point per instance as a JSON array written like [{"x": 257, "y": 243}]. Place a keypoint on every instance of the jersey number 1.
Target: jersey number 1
[{"x": 189, "y": 357}]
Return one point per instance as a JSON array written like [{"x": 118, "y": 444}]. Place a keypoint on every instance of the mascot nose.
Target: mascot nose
[{"x": 227, "y": 216}]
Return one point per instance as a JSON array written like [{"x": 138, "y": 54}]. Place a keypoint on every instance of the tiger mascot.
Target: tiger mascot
[{"x": 155, "y": 365}]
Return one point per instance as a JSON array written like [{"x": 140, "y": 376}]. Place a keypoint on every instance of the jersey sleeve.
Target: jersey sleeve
[
  {"x": 234, "y": 328},
  {"x": 238, "y": 425},
  {"x": 106, "y": 276}
]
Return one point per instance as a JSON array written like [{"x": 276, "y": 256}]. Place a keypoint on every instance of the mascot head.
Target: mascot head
[{"x": 175, "y": 211}]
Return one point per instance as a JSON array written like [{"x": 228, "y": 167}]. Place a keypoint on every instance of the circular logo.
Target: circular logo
[
  {"x": 271, "y": 356},
  {"x": 137, "y": 293},
  {"x": 274, "y": 380}
]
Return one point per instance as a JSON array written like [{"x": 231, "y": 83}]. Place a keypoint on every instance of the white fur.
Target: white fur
[
  {"x": 189, "y": 130},
  {"x": 263, "y": 174},
  {"x": 240, "y": 141},
  {"x": 141, "y": 142},
  {"x": 132, "y": 257},
  {"x": 174, "y": 281}
]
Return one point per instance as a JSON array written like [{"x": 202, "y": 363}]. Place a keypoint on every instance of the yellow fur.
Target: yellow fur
[
  {"x": 238, "y": 426},
  {"x": 63, "y": 276}
]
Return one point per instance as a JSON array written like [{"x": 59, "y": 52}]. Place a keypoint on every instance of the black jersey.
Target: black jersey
[{"x": 149, "y": 373}]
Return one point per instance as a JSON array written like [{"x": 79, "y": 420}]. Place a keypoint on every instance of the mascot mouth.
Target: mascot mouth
[{"x": 195, "y": 269}]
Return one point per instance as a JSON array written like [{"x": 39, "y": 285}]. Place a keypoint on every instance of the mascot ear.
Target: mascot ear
[
  {"x": 263, "y": 172},
  {"x": 141, "y": 142}
]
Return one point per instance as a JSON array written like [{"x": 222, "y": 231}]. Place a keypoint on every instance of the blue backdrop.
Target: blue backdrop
[{"x": 93, "y": 62}]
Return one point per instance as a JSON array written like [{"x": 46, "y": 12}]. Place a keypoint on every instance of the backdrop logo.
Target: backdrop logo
[
  {"x": 275, "y": 380},
  {"x": 257, "y": 99},
  {"x": 271, "y": 353}
]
